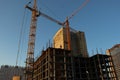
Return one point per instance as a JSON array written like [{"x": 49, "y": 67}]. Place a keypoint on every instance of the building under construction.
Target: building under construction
[
  {"x": 77, "y": 41},
  {"x": 42, "y": 67},
  {"x": 59, "y": 64},
  {"x": 68, "y": 58}
]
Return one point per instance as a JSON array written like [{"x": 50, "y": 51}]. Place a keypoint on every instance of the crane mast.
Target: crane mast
[
  {"x": 31, "y": 43},
  {"x": 67, "y": 28}
]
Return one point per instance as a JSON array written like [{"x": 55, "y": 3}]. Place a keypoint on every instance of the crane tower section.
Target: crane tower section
[{"x": 31, "y": 43}]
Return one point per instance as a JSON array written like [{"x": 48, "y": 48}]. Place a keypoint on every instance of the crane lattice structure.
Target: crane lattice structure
[{"x": 31, "y": 44}]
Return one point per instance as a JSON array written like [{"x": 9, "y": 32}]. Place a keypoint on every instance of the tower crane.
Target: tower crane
[
  {"x": 31, "y": 43},
  {"x": 29, "y": 69},
  {"x": 66, "y": 23},
  {"x": 32, "y": 35}
]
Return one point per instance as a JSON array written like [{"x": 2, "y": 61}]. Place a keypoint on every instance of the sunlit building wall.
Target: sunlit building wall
[{"x": 78, "y": 41}]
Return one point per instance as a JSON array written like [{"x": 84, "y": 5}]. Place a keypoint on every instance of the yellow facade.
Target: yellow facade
[
  {"x": 16, "y": 77},
  {"x": 60, "y": 39}
]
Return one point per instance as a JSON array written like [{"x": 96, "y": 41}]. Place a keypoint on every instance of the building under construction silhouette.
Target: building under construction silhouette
[
  {"x": 59, "y": 64},
  {"x": 62, "y": 64}
]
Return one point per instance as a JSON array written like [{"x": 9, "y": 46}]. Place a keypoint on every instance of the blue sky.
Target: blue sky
[{"x": 99, "y": 19}]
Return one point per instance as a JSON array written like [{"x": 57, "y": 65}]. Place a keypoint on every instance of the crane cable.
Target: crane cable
[
  {"x": 20, "y": 37},
  {"x": 49, "y": 10},
  {"x": 76, "y": 11}
]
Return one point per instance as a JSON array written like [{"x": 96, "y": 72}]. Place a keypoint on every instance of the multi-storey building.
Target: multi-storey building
[
  {"x": 102, "y": 67},
  {"x": 77, "y": 39},
  {"x": 51, "y": 65},
  {"x": 9, "y": 72},
  {"x": 115, "y": 53},
  {"x": 59, "y": 64}
]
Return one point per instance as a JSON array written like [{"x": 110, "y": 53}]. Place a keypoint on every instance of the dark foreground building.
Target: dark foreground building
[{"x": 59, "y": 64}]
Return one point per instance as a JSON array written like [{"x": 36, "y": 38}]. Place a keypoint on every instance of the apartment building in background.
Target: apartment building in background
[
  {"x": 11, "y": 72},
  {"x": 115, "y": 53}
]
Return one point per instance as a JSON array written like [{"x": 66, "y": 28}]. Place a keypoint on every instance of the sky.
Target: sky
[{"x": 99, "y": 19}]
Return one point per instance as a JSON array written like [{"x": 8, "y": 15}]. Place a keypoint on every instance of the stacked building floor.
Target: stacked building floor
[{"x": 60, "y": 64}]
